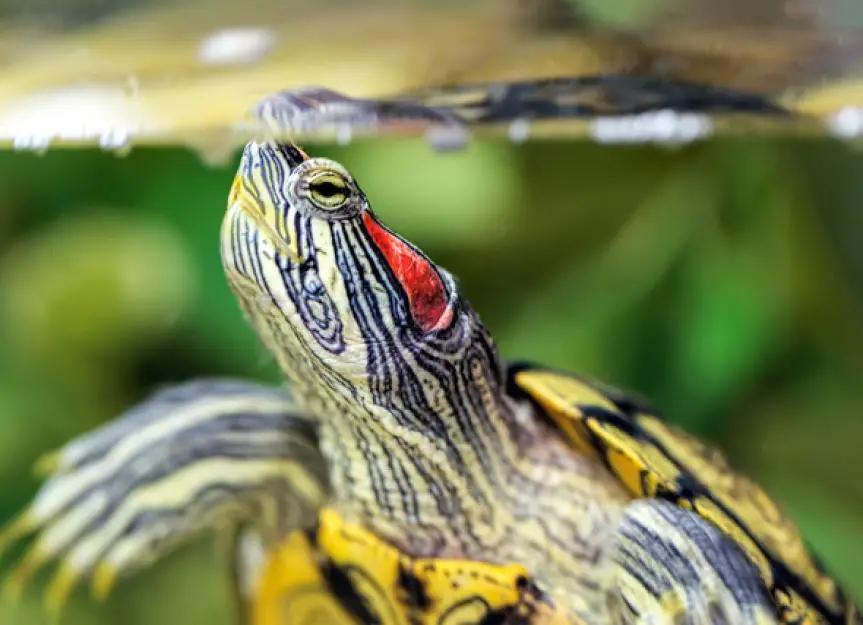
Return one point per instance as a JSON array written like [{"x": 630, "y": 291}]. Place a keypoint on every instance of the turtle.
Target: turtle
[{"x": 405, "y": 473}]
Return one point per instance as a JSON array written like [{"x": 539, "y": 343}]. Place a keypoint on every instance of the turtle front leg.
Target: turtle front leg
[
  {"x": 205, "y": 455},
  {"x": 340, "y": 573},
  {"x": 670, "y": 566}
]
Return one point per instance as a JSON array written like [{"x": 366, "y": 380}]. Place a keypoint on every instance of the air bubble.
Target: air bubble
[
  {"x": 235, "y": 46},
  {"x": 847, "y": 123},
  {"x": 32, "y": 143},
  {"x": 519, "y": 131},
  {"x": 664, "y": 127},
  {"x": 118, "y": 141},
  {"x": 448, "y": 138},
  {"x": 344, "y": 134}
]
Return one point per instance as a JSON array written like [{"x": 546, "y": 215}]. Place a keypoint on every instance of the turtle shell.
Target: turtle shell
[{"x": 653, "y": 458}]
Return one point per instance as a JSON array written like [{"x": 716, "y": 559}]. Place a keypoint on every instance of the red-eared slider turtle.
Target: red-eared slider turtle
[{"x": 407, "y": 474}]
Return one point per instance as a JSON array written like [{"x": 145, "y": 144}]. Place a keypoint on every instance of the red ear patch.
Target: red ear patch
[{"x": 417, "y": 276}]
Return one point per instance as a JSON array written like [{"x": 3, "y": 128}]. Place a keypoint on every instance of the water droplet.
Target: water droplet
[
  {"x": 448, "y": 138},
  {"x": 32, "y": 143},
  {"x": 847, "y": 123},
  {"x": 116, "y": 140},
  {"x": 92, "y": 115},
  {"x": 666, "y": 127},
  {"x": 519, "y": 131},
  {"x": 344, "y": 134}
]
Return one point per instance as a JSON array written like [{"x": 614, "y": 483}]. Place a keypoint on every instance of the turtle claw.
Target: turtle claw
[
  {"x": 32, "y": 561},
  {"x": 102, "y": 575},
  {"x": 108, "y": 506},
  {"x": 103, "y": 580},
  {"x": 60, "y": 588},
  {"x": 64, "y": 579},
  {"x": 48, "y": 464},
  {"x": 16, "y": 529},
  {"x": 37, "y": 556}
]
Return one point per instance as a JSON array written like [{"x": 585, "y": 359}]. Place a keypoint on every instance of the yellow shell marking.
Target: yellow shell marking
[
  {"x": 394, "y": 588},
  {"x": 652, "y": 458}
]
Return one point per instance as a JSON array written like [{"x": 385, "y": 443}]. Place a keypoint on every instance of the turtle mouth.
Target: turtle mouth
[{"x": 246, "y": 220}]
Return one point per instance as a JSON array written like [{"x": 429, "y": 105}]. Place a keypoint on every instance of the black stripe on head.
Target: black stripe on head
[{"x": 291, "y": 153}]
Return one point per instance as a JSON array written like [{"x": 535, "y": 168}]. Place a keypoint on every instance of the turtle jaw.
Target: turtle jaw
[
  {"x": 251, "y": 216},
  {"x": 279, "y": 263}
]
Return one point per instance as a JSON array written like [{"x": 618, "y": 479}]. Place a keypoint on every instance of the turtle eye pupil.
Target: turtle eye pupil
[{"x": 328, "y": 189}]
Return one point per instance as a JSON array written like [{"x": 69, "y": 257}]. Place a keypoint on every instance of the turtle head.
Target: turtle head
[{"x": 329, "y": 288}]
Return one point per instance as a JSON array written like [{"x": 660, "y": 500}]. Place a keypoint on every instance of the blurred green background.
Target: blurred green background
[{"x": 723, "y": 280}]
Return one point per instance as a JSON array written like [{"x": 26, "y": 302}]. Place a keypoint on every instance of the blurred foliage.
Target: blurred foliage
[{"x": 723, "y": 280}]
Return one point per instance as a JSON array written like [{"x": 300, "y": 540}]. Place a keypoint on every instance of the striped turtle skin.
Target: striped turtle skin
[{"x": 409, "y": 475}]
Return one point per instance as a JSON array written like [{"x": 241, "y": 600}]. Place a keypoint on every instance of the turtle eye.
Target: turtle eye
[{"x": 329, "y": 190}]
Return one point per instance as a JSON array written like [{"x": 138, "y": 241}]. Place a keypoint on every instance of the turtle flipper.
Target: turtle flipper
[
  {"x": 672, "y": 566},
  {"x": 203, "y": 455}
]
